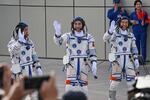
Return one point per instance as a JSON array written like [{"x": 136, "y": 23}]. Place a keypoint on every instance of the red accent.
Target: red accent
[
  {"x": 68, "y": 81},
  {"x": 112, "y": 78},
  {"x": 141, "y": 15},
  {"x": 148, "y": 20}
]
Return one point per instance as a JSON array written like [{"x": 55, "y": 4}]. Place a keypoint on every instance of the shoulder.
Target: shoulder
[
  {"x": 132, "y": 36},
  {"x": 110, "y": 10},
  {"x": 90, "y": 37},
  {"x": 132, "y": 13}
]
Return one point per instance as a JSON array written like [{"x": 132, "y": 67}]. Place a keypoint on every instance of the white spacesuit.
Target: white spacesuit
[
  {"x": 123, "y": 56},
  {"x": 22, "y": 52},
  {"x": 80, "y": 47}
]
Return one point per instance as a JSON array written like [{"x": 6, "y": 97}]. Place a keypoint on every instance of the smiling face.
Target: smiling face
[
  {"x": 138, "y": 6},
  {"x": 77, "y": 26},
  {"x": 124, "y": 24},
  {"x": 26, "y": 32}
]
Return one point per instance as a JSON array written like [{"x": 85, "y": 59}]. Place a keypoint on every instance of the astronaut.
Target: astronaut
[
  {"x": 123, "y": 56},
  {"x": 80, "y": 49},
  {"x": 24, "y": 59}
]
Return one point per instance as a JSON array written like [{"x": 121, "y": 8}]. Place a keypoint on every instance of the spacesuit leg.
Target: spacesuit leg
[
  {"x": 112, "y": 89},
  {"x": 71, "y": 75},
  {"x": 115, "y": 80},
  {"x": 130, "y": 75}
]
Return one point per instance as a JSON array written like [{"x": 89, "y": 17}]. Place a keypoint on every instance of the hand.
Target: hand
[
  {"x": 142, "y": 23},
  {"x": 134, "y": 22},
  {"x": 57, "y": 27},
  {"x": 112, "y": 27},
  {"x": 16, "y": 91},
  {"x": 115, "y": 7},
  {"x": 94, "y": 69},
  {"x": 136, "y": 62},
  {"x": 6, "y": 77},
  {"x": 48, "y": 90},
  {"x": 21, "y": 36}
]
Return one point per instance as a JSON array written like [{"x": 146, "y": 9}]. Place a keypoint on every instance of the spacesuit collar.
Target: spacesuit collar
[
  {"x": 79, "y": 34},
  {"x": 124, "y": 32}
]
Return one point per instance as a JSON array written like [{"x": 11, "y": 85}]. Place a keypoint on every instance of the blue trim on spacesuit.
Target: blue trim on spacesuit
[
  {"x": 30, "y": 72},
  {"x": 124, "y": 65},
  {"x": 78, "y": 68},
  {"x": 130, "y": 78},
  {"x": 26, "y": 44}
]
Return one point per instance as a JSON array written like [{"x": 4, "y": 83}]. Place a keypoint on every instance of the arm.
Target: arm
[
  {"x": 133, "y": 18},
  {"x": 14, "y": 47},
  {"x": 109, "y": 33},
  {"x": 134, "y": 52},
  {"x": 62, "y": 39},
  {"x": 145, "y": 18},
  {"x": 111, "y": 13},
  {"x": 36, "y": 62},
  {"x": 59, "y": 39},
  {"x": 92, "y": 55}
]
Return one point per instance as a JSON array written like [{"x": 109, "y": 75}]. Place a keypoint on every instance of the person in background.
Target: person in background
[
  {"x": 74, "y": 95},
  {"x": 117, "y": 11},
  {"x": 139, "y": 26}
]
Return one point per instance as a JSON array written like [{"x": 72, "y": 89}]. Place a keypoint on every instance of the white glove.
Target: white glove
[
  {"x": 57, "y": 27},
  {"x": 21, "y": 36},
  {"x": 94, "y": 69},
  {"x": 136, "y": 62},
  {"x": 112, "y": 26}
]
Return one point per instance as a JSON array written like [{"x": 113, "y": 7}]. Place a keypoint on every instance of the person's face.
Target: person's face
[
  {"x": 77, "y": 26},
  {"x": 26, "y": 32},
  {"x": 124, "y": 24},
  {"x": 138, "y": 6},
  {"x": 116, "y": 5}
]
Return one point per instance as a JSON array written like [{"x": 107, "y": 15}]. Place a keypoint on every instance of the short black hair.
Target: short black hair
[
  {"x": 74, "y": 95},
  {"x": 136, "y": 1}
]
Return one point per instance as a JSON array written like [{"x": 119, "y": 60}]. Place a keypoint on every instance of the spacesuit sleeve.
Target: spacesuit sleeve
[
  {"x": 59, "y": 40},
  {"x": 107, "y": 36},
  {"x": 13, "y": 47},
  {"x": 134, "y": 49},
  {"x": 35, "y": 57},
  {"x": 92, "y": 49}
]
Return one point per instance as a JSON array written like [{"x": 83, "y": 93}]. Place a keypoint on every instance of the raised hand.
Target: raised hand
[
  {"x": 57, "y": 27},
  {"x": 21, "y": 36}
]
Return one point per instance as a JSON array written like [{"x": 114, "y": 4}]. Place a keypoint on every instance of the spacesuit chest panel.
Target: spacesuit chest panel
[
  {"x": 26, "y": 53},
  {"x": 123, "y": 44},
  {"x": 78, "y": 46}
]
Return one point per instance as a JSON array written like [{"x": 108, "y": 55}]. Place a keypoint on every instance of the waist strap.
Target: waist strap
[{"x": 76, "y": 82}]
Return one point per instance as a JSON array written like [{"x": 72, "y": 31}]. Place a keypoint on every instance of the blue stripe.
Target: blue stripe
[
  {"x": 124, "y": 63},
  {"x": 78, "y": 69},
  {"x": 30, "y": 72}
]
